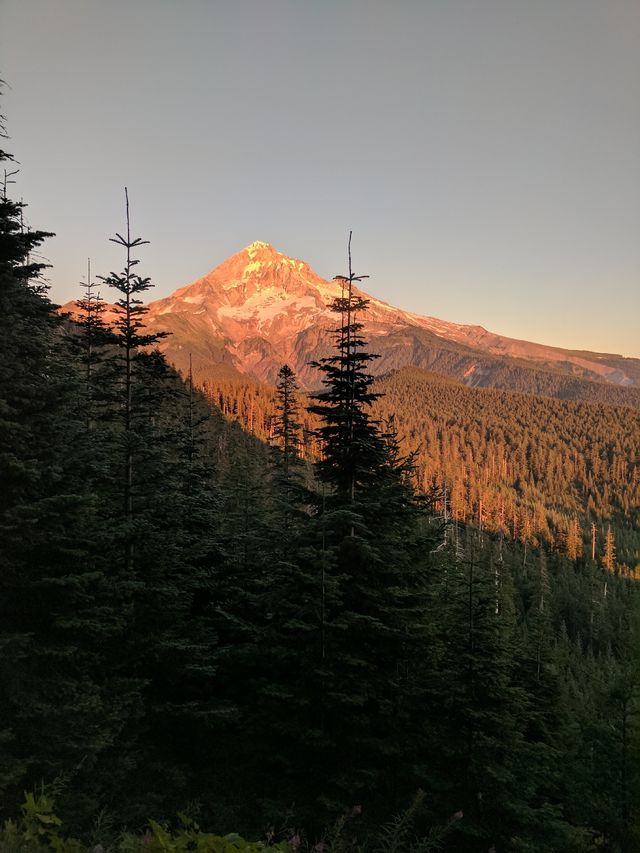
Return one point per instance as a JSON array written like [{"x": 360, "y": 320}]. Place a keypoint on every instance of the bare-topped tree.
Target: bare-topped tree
[
  {"x": 6, "y": 181},
  {"x": 132, "y": 339}
]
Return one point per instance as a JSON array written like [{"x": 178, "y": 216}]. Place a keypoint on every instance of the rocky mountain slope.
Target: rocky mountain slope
[{"x": 260, "y": 309}]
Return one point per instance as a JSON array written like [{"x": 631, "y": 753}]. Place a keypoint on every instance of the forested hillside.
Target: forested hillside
[
  {"x": 195, "y": 622},
  {"x": 423, "y": 349},
  {"x": 536, "y": 469}
]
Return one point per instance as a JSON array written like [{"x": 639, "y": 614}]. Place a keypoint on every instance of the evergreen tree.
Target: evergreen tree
[
  {"x": 478, "y": 703},
  {"x": 286, "y": 425},
  {"x": 353, "y": 449},
  {"x": 164, "y": 505},
  {"x": 374, "y": 590},
  {"x": 289, "y": 469},
  {"x": 609, "y": 558},
  {"x": 281, "y": 715},
  {"x": 58, "y": 703},
  {"x": 133, "y": 341},
  {"x": 95, "y": 332}
]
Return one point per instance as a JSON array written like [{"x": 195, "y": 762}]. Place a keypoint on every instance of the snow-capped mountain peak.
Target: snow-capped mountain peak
[{"x": 261, "y": 309}]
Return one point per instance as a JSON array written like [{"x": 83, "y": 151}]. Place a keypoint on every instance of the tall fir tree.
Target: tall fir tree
[
  {"x": 155, "y": 494},
  {"x": 374, "y": 594},
  {"x": 133, "y": 342}
]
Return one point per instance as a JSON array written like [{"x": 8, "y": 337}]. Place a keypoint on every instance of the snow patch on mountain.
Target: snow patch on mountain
[
  {"x": 257, "y": 246},
  {"x": 266, "y": 310},
  {"x": 252, "y": 267}
]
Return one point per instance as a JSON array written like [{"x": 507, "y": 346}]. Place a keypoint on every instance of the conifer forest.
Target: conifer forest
[{"x": 338, "y": 630}]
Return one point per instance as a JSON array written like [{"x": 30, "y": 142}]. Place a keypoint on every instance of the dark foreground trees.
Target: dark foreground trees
[{"x": 50, "y": 706}]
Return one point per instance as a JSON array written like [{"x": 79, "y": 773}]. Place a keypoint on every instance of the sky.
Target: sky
[{"x": 485, "y": 153}]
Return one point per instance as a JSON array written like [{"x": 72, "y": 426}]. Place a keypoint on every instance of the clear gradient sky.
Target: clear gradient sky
[{"x": 486, "y": 153}]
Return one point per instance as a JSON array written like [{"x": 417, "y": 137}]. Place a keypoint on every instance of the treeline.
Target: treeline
[{"x": 194, "y": 621}]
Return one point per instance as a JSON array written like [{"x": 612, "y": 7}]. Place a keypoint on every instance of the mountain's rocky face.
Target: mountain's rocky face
[{"x": 261, "y": 309}]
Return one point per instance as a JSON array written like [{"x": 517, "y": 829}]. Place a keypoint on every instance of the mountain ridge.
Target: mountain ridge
[{"x": 260, "y": 309}]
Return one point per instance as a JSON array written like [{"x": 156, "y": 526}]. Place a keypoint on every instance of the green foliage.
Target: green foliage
[{"x": 39, "y": 830}]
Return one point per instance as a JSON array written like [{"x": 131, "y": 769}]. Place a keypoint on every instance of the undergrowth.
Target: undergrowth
[{"x": 39, "y": 830}]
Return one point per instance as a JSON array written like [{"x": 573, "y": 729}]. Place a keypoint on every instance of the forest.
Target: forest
[
  {"x": 301, "y": 638},
  {"x": 545, "y": 471}
]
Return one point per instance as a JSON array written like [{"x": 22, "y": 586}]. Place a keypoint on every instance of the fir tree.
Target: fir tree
[
  {"x": 287, "y": 428},
  {"x": 289, "y": 468},
  {"x": 95, "y": 332},
  {"x": 374, "y": 591},
  {"x": 58, "y": 703},
  {"x": 609, "y": 558},
  {"x": 353, "y": 450},
  {"x": 156, "y": 495},
  {"x": 132, "y": 340}
]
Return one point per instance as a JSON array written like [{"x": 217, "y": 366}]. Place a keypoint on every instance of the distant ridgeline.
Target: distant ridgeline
[
  {"x": 537, "y": 469},
  {"x": 260, "y": 309}
]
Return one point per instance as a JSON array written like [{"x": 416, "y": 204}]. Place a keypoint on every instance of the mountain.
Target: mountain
[{"x": 260, "y": 309}]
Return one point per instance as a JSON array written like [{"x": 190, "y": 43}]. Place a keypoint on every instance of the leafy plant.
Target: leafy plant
[{"x": 37, "y": 829}]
